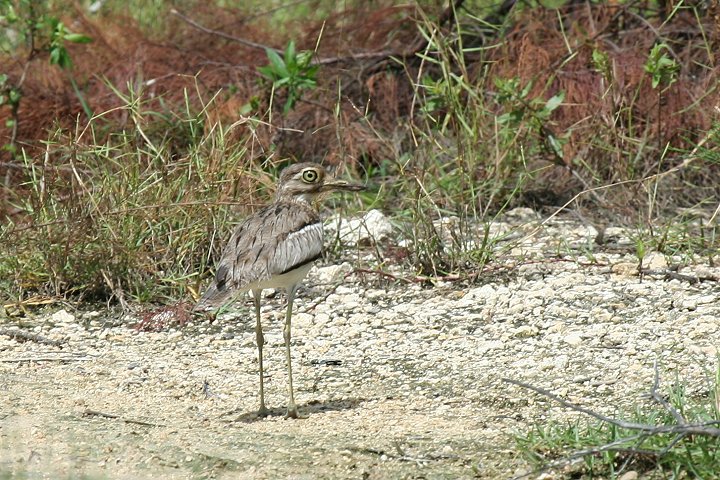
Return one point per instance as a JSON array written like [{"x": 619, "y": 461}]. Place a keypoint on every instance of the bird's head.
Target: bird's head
[{"x": 304, "y": 181}]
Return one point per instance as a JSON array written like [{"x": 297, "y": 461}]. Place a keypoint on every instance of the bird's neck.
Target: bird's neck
[{"x": 302, "y": 198}]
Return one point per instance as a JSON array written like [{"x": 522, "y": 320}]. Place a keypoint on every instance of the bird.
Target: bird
[{"x": 275, "y": 248}]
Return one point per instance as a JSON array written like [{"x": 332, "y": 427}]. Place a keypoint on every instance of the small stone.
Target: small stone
[
  {"x": 522, "y": 214},
  {"x": 625, "y": 269},
  {"x": 373, "y": 227},
  {"x": 655, "y": 261},
  {"x": 62, "y": 316},
  {"x": 573, "y": 339},
  {"x": 302, "y": 319},
  {"x": 333, "y": 273},
  {"x": 631, "y": 475},
  {"x": 525, "y": 331}
]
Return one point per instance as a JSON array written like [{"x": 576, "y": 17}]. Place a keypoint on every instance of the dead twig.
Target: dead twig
[
  {"x": 23, "y": 336},
  {"x": 447, "y": 15},
  {"x": 629, "y": 444},
  {"x": 402, "y": 456},
  {"x": 224, "y": 35},
  {"x": 668, "y": 274},
  {"x": 95, "y": 413},
  {"x": 34, "y": 301},
  {"x": 64, "y": 358},
  {"x": 702, "y": 428},
  {"x": 575, "y": 457},
  {"x": 655, "y": 395}
]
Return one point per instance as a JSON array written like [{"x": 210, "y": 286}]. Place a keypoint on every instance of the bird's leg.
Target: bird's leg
[
  {"x": 292, "y": 411},
  {"x": 260, "y": 339}
]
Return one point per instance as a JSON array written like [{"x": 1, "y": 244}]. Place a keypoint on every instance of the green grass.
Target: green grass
[
  {"x": 136, "y": 204},
  {"x": 127, "y": 216},
  {"x": 600, "y": 449}
]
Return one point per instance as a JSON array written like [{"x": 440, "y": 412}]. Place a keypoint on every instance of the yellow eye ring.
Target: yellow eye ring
[{"x": 310, "y": 176}]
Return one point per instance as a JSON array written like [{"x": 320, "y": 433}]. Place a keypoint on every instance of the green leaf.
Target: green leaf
[
  {"x": 15, "y": 96},
  {"x": 290, "y": 59},
  {"x": 277, "y": 63},
  {"x": 662, "y": 68},
  {"x": 556, "y": 145},
  {"x": 554, "y": 102},
  {"x": 311, "y": 72},
  {"x": 304, "y": 59},
  {"x": 60, "y": 57},
  {"x": 268, "y": 72},
  {"x": 282, "y": 81},
  {"x": 11, "y": 15},
  {"x": 58, "y": 29},
  {"x": 526, "y": 91},
  {"x": 601, "y": 62},
  {"x": 77, "y": 38},
  {"x": 245, "y": 109},
  {"x": 55, "y": 55},
  {"x": 289, "y": 104},
  {"x": 307, "y": 83}
]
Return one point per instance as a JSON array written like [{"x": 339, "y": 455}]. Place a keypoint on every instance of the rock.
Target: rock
[
  {"x": 573, "y": 339},
  {"x": 525, "y": 331},
  {"x": 704, "y": 272},
  {"x": 302, "y": 320},
  {"x": 333, "y": 273},
  {"x": 655, "y": 261},
  {"x": 631, "y": 475},
  {"x": 522, "y": 214},
  {"x": 616, "y": 235},
  {"x": 625, "y": 269},
  {"x": 373, "y": 227},
  {"x": 62, "y": 316}
]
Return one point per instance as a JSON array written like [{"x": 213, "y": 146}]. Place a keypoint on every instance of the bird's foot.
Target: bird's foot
[
  {"x": 292, "y": 412},
  {"x": 263, "y": 411}
]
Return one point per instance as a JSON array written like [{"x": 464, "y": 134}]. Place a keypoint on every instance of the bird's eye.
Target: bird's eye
[{"x": 310, "y": 176}]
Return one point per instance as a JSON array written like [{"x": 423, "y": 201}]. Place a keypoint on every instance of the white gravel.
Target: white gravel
[{"x": 399, "y": 381}]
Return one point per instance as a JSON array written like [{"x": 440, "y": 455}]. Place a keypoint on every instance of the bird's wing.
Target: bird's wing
[{"x": 274, "y": 241}]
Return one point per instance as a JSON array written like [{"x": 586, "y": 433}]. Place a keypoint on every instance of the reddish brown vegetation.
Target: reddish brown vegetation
[
  {"x": 160, "y": 319},
  {"x": 535, "y": 50},
  {"x": 376, "y": 93}
]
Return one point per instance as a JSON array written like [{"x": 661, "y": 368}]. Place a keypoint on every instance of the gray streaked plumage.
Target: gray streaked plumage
[
  {"x": 274, "y": 241},
  {"x": 275, "y": 248}
]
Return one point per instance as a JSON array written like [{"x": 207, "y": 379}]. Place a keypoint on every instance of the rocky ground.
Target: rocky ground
[{"x": 397, "y": 379}]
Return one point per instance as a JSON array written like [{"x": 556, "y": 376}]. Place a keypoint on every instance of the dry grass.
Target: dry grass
[{"x": 460, "y": 118}]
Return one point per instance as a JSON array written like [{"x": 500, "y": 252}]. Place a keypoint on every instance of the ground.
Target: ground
[{"x": 395, "y": 381}]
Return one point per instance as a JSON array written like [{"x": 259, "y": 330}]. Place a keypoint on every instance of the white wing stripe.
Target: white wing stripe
[{"x": 298, "y": 248}]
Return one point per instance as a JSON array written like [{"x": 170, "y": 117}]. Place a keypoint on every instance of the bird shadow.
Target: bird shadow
[{"x": 311, "y": 408}]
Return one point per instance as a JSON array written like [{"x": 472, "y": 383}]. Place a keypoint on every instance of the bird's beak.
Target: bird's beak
[{"x": 341, "y": 185}]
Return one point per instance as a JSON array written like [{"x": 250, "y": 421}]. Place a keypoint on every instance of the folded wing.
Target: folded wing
[{"x": 276, "y": 240}]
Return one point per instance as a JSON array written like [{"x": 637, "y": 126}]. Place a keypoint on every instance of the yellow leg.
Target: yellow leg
[
  {"x": 292, "y": 411},
  {"x": 263, "y": 411}
]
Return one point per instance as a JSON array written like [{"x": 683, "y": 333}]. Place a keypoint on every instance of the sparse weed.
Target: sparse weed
[
  {"x": 293, "y": 73},
  {"x": 130, "y": 202},
  {"x": 601, "y": 449},
  {"x": 126, "y": 216}
]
